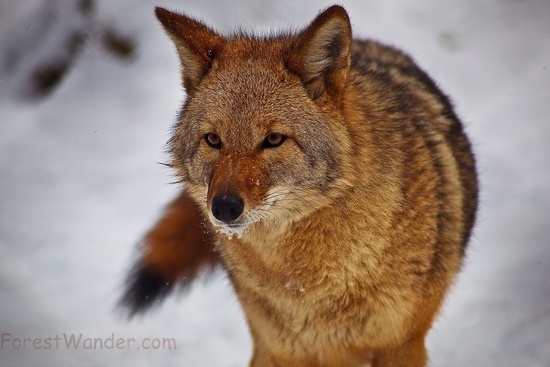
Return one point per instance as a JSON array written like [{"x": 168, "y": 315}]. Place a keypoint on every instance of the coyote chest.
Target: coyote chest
[{"x": 332, "y": 180}]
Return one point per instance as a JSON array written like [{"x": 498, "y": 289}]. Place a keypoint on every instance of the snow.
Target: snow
[
  {"x": 80, "y": 180},
  {"x": 230, "y": 232}
]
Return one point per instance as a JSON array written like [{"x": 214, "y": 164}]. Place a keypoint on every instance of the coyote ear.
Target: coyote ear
[
  {"x": 321, "y": 54},
  {"x": 197, "y": 45}
]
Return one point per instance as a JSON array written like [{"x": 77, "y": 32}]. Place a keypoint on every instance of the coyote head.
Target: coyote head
[{"x": 261, "y": 136}]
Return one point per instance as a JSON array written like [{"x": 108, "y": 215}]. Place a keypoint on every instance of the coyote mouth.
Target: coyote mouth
[
  {"x": 231, "y": 230},
  {"x": 241, "y": 224}
]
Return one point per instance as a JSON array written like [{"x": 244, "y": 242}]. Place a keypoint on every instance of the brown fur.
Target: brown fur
[
  {"x": 354, "y": 227},
  {"x": 177, "y": 251}
]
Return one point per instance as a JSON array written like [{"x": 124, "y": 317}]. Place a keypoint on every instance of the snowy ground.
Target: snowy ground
[{"x": 80, "y": 181}]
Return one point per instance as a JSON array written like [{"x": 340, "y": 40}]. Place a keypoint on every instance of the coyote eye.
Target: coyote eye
[
  {"x": 273, "y": 140},
  {"x": 213, "y": 140}
]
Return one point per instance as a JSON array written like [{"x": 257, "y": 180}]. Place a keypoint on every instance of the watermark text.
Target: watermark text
[{"x": 66, "y": 341}]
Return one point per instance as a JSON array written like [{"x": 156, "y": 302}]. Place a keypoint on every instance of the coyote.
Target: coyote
[{"x": 329, "y": 177}]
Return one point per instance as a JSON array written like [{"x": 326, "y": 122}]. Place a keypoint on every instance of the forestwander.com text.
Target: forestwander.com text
[{"x": 65, "y": 341}]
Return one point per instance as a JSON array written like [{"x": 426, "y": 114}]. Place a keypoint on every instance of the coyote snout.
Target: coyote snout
[{"x": 235, "y": 192}]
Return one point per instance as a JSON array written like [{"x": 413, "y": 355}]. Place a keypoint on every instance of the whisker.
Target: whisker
[{"x": 169, "y": 165}]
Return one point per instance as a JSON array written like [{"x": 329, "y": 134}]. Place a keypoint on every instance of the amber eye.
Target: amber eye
[
  {"x": 213, "y": 140},
  {"x": 273, "y": 140}
]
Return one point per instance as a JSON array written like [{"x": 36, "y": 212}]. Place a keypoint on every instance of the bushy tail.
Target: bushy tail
[{"x": 174, "y": 252}]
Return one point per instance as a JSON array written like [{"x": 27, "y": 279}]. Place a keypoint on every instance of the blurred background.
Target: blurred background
[{"x": 89, "y": 90}]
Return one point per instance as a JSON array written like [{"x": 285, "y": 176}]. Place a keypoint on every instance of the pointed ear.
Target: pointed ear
[
  {"x": 321, "y": 54},
  {"x": 197, "y": 45}
]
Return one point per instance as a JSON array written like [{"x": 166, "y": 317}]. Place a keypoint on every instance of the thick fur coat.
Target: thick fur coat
[{"x": 332, "y": 180}]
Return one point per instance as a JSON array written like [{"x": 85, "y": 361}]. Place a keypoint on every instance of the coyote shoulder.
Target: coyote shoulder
[{"x": 330, "y": 177}]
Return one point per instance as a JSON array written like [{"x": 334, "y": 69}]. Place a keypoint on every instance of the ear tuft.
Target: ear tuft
[
  {"x": 197, "y": 45},
  {"x": 321, "y": 54}
]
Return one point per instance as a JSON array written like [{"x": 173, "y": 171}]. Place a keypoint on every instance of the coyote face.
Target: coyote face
[{"x": 251, "y": 143}]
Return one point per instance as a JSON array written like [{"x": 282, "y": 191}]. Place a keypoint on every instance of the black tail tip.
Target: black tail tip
[{"x": 144, "y": 289}]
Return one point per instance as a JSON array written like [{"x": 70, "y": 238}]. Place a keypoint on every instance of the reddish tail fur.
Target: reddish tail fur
[{"x": 174, "y": 252}]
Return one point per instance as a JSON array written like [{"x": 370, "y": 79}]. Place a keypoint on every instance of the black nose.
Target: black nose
[{"x": 227, "y": 207}]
